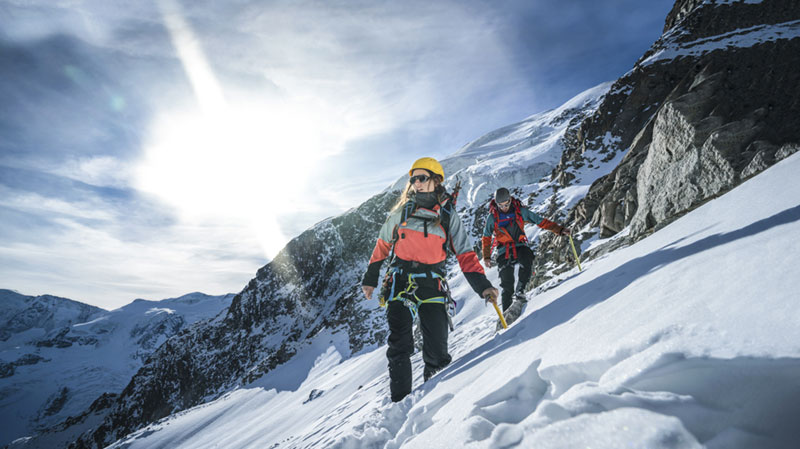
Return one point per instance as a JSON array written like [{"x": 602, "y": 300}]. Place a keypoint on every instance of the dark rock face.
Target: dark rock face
[
  {"x": 72, "y": 426},
  {"x": 151, "y": 334},
  {"x": 692, "y": 19},
  {"x": 695, "y": 123},
  {"x": 61, "y": 338},
  {"x": 7, "y": 369},
  {"x": 679, "y": 11},
  {"x": 56, "y": 402}
]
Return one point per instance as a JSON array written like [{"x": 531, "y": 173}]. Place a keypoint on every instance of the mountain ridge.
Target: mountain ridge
[{"x": 81, "y": 354}]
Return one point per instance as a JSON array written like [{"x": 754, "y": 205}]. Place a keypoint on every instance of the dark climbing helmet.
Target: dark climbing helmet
[{"x": 502, "y": 195}]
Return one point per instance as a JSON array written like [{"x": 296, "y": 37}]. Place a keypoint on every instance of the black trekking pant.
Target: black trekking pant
[
  {"x": 434, "y": 325},
  {"x": 506, "y": 267}
]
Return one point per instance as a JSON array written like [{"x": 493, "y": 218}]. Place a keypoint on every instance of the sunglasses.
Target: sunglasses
[
  {"x": 504, "y": 203},
  {"x": 420, "y": 178}
]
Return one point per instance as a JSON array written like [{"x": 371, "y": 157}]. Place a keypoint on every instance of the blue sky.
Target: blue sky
[{"x": 150, "y": 149}]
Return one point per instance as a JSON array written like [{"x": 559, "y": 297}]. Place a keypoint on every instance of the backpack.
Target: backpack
[
  {"x": 445, "y": 212},
  {"x": 501, "y": 235}
]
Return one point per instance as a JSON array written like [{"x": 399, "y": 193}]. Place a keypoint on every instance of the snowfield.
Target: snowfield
[{"x": 688, "y": 338}]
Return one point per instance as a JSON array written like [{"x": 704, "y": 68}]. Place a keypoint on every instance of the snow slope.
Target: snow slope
[{"x": 688, "y": 338}]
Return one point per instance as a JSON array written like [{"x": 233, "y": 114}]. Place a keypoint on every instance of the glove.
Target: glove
[
  {"x": 490, "y": 295},
  {"x": 487, "y": 262},
  {"x": 367, "y": 291}
]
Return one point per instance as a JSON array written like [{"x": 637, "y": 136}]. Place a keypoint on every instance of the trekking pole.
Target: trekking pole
[
  {"x": 497, "y": 309},
  {"x": 575, "y": 253},
  {"x": 500, "y": 314}
]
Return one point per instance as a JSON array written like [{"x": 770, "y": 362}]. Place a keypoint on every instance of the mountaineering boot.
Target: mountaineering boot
[
  {"x": 429, "y": 372},
  {"x": 516, "y": 309}
]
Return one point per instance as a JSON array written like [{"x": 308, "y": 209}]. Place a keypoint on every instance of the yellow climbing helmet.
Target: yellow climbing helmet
[{"x": 428, "y": 163}]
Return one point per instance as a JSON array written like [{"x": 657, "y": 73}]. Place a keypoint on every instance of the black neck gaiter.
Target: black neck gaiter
[{"x": 426, "y": 199}]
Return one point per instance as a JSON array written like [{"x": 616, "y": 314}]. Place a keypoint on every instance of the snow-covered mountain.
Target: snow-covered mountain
[
  {"x": 59, "y": 356},
  {"x": 24, "y": 318},
  {"x": 297, "y": 360},
  {"x": 685, "y": 339}
]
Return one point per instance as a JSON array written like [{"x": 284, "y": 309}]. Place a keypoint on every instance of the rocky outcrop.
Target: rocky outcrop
[
  {"x": 679, "y": 11},
  {"x": 712, "y": 103},
  {"x": 148, "y": 335},
  {"x": 7, "y": 369}
]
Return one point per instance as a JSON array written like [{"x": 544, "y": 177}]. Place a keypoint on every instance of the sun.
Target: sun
[
  {"x": 241, "y": 164},
  {"x": 232, "y": 162}
]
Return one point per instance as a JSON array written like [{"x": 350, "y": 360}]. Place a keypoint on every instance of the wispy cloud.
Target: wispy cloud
[{"x": 110, "y": 249}]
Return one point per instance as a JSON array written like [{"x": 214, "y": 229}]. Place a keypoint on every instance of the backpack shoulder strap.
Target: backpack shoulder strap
[
  {"x": 445, "y": 214},
  {"x": 408, "y": 209},
  {"x": 494, "y": 210},
  {"x": 520, "y": 222}
]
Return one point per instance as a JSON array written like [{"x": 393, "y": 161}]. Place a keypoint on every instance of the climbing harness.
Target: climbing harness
[
  {"x": 408, "y": 296},
  {"x": 412, "y": 272}
]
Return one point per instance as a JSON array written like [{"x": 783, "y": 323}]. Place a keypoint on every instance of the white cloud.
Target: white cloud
[
  {"x": 332, "y": 75},
  {"x": 92, "y": 265},
  {"x": 43, "y": 205},
  {"x": 103, "y": 171}
]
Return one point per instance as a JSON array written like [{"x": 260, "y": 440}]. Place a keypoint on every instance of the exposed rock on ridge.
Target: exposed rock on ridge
[{"x": 694, "y": 126}]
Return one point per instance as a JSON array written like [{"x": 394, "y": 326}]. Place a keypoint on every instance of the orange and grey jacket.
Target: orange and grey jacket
[{"x": 421, "y": 244}]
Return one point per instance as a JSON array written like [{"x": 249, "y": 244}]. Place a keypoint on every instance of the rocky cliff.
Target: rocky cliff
[{"x": 713, "y": 102}]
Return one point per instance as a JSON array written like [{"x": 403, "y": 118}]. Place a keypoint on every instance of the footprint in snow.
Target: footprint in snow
[{"x": 514, "y": 401}]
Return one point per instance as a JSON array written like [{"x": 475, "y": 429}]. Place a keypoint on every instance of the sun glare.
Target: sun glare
[
  {"x": 239, "y": 165},
  {"x": 231, "y": 162}
]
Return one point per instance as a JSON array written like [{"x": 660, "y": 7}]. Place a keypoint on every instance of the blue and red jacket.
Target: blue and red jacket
[{"x": 508, "y": 228}]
